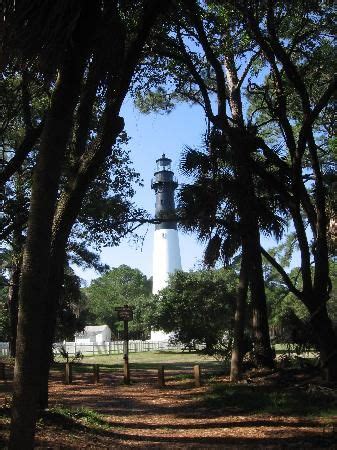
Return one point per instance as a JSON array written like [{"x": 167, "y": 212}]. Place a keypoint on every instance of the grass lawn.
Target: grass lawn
[{"x": 151, "y": 360}]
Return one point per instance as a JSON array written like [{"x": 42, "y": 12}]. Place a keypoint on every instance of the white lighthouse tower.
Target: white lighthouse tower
[{"x": 166, "y": 252}]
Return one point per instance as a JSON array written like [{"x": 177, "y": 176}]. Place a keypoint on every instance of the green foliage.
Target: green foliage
[
  {"x": 197, "y": 307},
  {"x": 72, "y": 314},
  {"x": 209, "y": 205},
  {"x": 70, "y": 417},
  {"x": 288, "y": 63},
  {"x": 288, "y": 316},
  {"x": 107, "y": 212},
  {"x": 4, "y": 316},
  {"x": 261, "y": 399},
  {"x": 4, "y": 285},
  {"x": 332, "y": 302},
  {"x": 121, "y": 285},
  {"x": 281, "y": 302},
  {"x": 156, "y": 101}
]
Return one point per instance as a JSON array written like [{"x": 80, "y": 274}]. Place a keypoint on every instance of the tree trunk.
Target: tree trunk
[
  {"x": 49, "y": 324},
  {"x": 250, "y": 235},
  {"x": 17, "y": 246},
  {"x": 240, "y": 141},
  {"x": 239, "y": 326},
  {"x": 35, "y": 266},
  {"x": 326, "y": 339},
  {"x": 13, "y": 305},
  {"x": 263, "y": 354},
  {"x": 68, "y": 209}
]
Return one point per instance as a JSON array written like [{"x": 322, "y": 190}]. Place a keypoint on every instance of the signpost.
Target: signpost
[{"x": 125, "y": 314}]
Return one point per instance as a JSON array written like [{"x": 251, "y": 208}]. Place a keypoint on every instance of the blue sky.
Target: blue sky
[{"x": 151, "y": 136}]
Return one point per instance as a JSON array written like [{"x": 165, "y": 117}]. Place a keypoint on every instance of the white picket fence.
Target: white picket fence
[
  {"x": 107, "y": 348},
  {"x": 113, "y": 347},
  {"x": 4, "y": 348}
]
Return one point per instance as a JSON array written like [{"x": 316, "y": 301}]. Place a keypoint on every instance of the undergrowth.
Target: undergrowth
[
  {"x": 245, "y": 399},
  {"x": 69, "y": 417}
]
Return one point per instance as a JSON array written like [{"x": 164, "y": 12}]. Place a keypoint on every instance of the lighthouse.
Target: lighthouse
[{"x": 166, "y": 252}]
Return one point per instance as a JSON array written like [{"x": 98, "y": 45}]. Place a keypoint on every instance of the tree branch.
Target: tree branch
[
  {"x": 152, "y": 9},
  {"x": 324, "y": 99},
  {"x": 233, "y": 85},
  {"x": 289, "y": 67},
  {"x": 247, "y": 68},
  {"x": 198, "y": 78},
  {"x": 211, "y": 57},
  {"x": 26, "y": 109},
  {"x": 292, "y": 288},
  {"x": 30, "y": 139}
]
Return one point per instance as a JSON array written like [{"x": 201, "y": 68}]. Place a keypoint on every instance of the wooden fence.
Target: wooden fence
[
  {"x": 196, "y": 374},
  {"x": 95, "y": 372}
]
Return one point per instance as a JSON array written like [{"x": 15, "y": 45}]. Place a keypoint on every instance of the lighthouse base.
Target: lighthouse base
[{"x": 160, "y": 336}]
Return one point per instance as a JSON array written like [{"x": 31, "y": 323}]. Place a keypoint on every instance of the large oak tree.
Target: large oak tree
[{"x": 91, "y": 51}]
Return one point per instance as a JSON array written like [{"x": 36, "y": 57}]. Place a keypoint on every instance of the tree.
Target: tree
[
  {"x": 84, "y": 68},
  {"x": 103, "y": 217},
  {"x": 120, "y": 286},
  {"x": 193, "y": 57},
  {"x": 196, "y": 307},
  {"x": 279, "y": 140},
  {"x": 4, "y": 317},
  {"x": 71, "y": 313},
  {"x": 24, "y": 101},
  {"x": 286, "y": 311},
  {"x": 293, "y": 44},
  {"x": 209, "y": 206}
]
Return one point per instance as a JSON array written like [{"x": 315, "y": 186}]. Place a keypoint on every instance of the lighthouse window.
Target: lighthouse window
[{"x": 164, "y": 235}]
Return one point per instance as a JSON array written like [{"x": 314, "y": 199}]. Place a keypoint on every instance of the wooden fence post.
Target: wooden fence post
[
  {"x": 96, "y": 373},
  {"x": 68, "y": 373},
  {"x": 126, "y": 370},
  {"x": 3, "y": 371},
  {"x": 161, "y": 376},
  {"x": 197, "y": 375}
]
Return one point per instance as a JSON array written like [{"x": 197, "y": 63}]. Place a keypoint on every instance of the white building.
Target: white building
[{"x": 94, "y": 334}]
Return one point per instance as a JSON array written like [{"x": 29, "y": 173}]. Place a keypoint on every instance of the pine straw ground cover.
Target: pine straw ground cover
[{"x": 271, "y": 410}]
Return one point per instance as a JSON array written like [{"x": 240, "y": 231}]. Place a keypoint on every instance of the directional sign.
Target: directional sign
[{"x": 124, "y": 313}]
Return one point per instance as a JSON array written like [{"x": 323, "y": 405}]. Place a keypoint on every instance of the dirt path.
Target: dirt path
[{"x": 144, "y": 416}]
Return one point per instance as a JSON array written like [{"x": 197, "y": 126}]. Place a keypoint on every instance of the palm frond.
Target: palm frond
[
  {"x": 212, "y": 252},
  {"x": 194, "y": 162}
]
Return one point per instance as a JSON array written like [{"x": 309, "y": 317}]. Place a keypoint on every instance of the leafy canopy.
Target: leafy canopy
[
  {"x": 121, "y": 285},
  {"x": 197, "y": 307}
]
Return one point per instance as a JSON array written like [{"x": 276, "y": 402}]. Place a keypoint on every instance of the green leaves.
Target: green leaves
[
  {"x": 197, "y": 307},
  {"x": 121, "y": 285}
]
